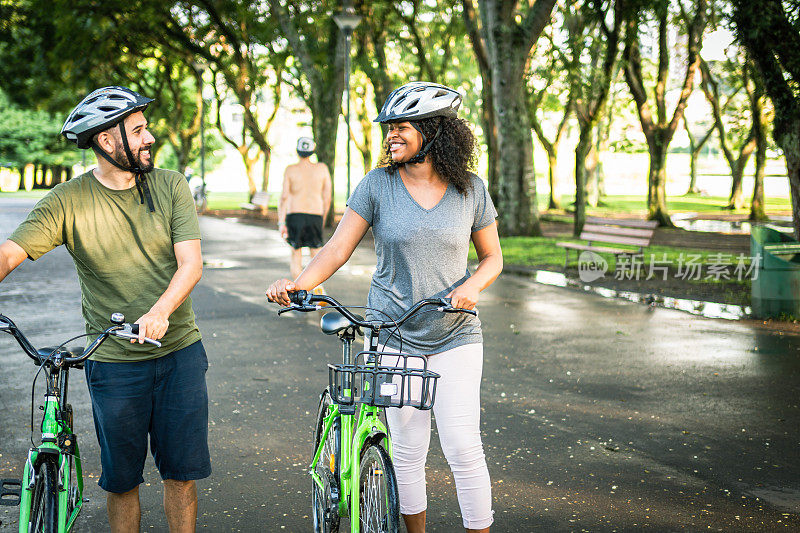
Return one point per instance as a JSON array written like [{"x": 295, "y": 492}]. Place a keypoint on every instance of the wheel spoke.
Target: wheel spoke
[
  {"x": 378, "y": 511},
  {"x": 325, "y": 511}
]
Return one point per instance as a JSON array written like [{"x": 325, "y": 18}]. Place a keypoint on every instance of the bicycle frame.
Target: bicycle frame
[
  {"x": 57, "y": 437},
  {"x": 360, "y": 424},
  {"x": 54, "y": 426},
  {"x": 357, "y": 428}
]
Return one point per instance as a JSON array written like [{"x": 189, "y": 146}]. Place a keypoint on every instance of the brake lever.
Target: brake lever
[
  {"x": 451, "y": 309},
  {"x": 127, "y": 333},
  {"x": 301, "y": 308}
]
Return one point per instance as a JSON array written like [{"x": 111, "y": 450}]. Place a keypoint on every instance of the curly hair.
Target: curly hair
[{"x": 453, "y": 154}]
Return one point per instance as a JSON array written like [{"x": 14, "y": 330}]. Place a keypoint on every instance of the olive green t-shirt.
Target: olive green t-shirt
[{"x": 123, "y": 253}]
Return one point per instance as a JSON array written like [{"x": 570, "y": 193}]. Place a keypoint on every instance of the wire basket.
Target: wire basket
[{"x": 384, "y": 379}]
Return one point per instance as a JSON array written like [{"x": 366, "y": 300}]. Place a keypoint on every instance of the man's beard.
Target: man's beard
[{"x": 120, "y": 157}]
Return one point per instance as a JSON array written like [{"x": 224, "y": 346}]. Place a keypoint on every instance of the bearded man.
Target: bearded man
[{"x": 133, "y": 234}]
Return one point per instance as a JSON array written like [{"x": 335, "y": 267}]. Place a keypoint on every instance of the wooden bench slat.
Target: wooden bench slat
[
  {"x": 610, "y": 230},
  {"x": 629, "y": 223},
  {"x": 606, "y": 249},
  {"x": 260, "y": 201},
  {"x": 616, "y": 239}
]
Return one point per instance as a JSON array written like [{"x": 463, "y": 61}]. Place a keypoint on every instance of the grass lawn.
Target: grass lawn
[
  {"x": 36, "y": 193},
  {"x": 543, "y": 252},
  {"x": 234, "y": 200},
  {"x": 689, "y": 203}
]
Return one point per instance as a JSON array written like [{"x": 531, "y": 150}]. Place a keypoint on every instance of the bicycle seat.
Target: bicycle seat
[
  {"x": 71, "y": 351},
  {"x": 333, "y": 323}
]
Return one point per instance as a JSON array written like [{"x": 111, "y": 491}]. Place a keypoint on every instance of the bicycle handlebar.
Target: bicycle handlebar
[
  {"x": 119, "y": 329},
  {"x": 303, "y": 301}
]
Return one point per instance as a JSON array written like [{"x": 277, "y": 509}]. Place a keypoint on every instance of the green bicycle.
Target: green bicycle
[
  {"x": 50, "y": 494},
  {"x": 352, "y": 468}
]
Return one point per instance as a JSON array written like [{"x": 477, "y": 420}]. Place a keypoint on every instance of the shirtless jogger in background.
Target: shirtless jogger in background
[{"x": 304, "y": 204}]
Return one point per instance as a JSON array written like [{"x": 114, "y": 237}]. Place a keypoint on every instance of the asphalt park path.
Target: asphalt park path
[{"x": 598, "y": 415}]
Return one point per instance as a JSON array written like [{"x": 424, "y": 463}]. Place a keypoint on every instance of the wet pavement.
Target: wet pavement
[{"x": 598, "y": 414}]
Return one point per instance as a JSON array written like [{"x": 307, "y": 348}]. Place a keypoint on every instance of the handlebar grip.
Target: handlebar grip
[
  {"x": 298, "y": 297},
  {"x": 133, "y": 332},
  {"x": 447, "y": 307}
]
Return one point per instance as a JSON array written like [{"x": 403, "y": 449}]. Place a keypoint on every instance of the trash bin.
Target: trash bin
[{"x": 776, "y": 289}]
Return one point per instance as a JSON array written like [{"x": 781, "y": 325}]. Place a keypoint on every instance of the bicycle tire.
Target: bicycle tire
[
  {"x": 325, "y": 512},
  {"x": 73, "y": 496},
  {"x": 324, "y": 506},
  {"x": 379, "y": 507},
  {"x": 44, "y": 501}
]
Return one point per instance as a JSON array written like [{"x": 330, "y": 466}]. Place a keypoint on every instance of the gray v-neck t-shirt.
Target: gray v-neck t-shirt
[{"x": 422, "y": 253}]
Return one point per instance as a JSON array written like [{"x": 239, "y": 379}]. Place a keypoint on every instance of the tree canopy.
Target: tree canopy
[{"x": 595, "y": 70}]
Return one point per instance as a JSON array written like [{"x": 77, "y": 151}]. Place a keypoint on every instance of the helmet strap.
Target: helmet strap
[{"x": 420, "y": 156}]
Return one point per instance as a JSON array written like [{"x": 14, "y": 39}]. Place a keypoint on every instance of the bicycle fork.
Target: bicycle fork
[{"x": 51, "y": 429}]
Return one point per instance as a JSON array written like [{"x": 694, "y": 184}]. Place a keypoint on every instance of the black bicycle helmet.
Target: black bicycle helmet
[
  {"x": 101, "y": 110},
  {"x": 416, "y": 101}
]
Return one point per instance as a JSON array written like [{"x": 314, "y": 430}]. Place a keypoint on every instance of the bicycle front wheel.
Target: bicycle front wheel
[
  {"x": 325, "y": 500},
  {"x": 379, "y": 510},
  {"x": 44, "y": 501}
]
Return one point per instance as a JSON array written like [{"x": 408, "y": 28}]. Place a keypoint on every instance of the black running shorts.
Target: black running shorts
[{"x": 304, "y": 230}]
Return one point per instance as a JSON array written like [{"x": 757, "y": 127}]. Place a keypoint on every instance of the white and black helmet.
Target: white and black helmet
[
  {"x": 418, "y": 100},
  {"x": 100, "y": 110},
  {"x": 306, "y": 145}
]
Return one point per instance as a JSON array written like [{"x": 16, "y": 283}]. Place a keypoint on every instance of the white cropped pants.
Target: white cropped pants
[{"x": 457, "y": 411}]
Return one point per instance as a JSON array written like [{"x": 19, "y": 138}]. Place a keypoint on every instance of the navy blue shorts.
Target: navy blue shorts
[{"x": 165, "y": 398}]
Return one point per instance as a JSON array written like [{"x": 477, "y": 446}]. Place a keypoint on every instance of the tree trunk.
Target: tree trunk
[
  {"x": 764, "y": 29},
  {"x": 478, "y": 39},
  {"x": 736, "y": 198},
  {"x": 508, "y": 43},
  {"x": 265, "y": 171},
  {"x": 581, "y": 153},
  {"x": 658, "y": 128},
  {"x": 249, "y": 169},
  {"x": 555, "y": 196},
  {"x": 757, "y": 211},
  {"x": 182, "y": 157},
  {"x": 600, "y": 148},
  {"x": 657, "y": 184},
  {"x": 760, "y": 128},
  {"x": 325, "y": 125},
  {"x": 517, "y": 187},
  {"x": 592, "y": 164},
  {"x": 490, "y": 134},
  {"x": 38, "y": 176},
  {"x": 693, "y": 151},
  {"x": 789, "y": 141}
]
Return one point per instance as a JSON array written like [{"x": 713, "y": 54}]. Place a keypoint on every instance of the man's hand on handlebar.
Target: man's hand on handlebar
[
  {"x": 152, "y": 325},
  {"x": 278, "y": 292}
]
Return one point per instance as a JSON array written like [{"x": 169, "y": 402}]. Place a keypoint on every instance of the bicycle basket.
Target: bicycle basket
[{"x": 384, "y": 379}]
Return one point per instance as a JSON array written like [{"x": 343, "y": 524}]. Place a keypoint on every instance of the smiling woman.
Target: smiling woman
[
  {"x": 452, "y": 156},
  {"x": 425, "y": 207}
]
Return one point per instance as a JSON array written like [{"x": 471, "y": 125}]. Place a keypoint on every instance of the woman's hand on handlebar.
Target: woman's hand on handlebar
[
  {"x": 464, "y": 296},
  {"x": 278, "y": 292}
]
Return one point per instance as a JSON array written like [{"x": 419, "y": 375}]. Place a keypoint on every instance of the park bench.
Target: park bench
[
  {"x": 611, "y": 231},
  {"x": 260, "y": 202},
  {"x": 783, "y": 248}
]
